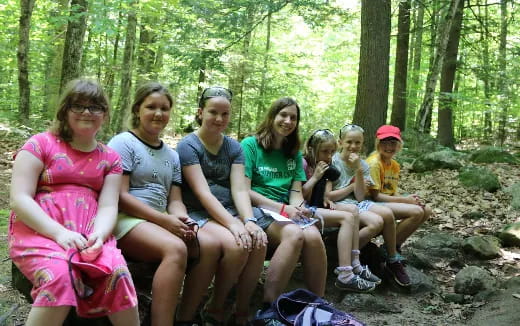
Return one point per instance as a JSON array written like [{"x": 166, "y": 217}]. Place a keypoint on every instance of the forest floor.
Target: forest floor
[{"x": 448, "y": 199}]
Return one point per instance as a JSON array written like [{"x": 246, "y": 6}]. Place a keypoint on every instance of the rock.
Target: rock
[
  {"x": 419, "y": 282},
  {"x": 368, "y": 302},
  {"x": 514, "y": 191},
  {"x": 510, "y": 235},
  {"x": 436, "y": 242},
  {"x": 492, "y": 155},
  {"x": 472, "y": 280},
  {"x": 444, "y": 159},
  {"x": 419, "y": 259},
  {"x": 484, "y": 247},
  {"x": 479, "y": 178},
  {"x": 454, "y": 298},
  {"x": 475, "y": 215}
]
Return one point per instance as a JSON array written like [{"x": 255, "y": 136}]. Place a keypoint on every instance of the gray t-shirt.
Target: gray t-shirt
[
  {"x": 216, "y": 168},
  {"x": 152, "y": 169},
  {"x": 347, "y": 175}
]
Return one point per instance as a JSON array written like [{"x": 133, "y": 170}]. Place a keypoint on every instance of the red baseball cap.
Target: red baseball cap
[{"x": 387, "y": 131}]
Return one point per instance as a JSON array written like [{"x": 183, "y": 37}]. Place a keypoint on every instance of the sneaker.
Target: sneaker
[
  {"x": 366, "y": 274},
  {"x": 398, "y": 272},
  {"x": 355, "y": 284}
]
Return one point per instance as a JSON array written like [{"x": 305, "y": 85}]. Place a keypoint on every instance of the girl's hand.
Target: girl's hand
[
  {"x": 68, "y": 239},
  {"x": 320, "y": 169},
  {"x": 353, "y": 161},
  {"x": 242, "y": 237},
  {"x": 327, "y": 203},
  {"x": 417, "y": 200},
  {"x": 94, "y": 247},
  {"x": 175, "y": 224},
  {"x": 258, "y": 235},
  {"x": 192, "y": 227}
]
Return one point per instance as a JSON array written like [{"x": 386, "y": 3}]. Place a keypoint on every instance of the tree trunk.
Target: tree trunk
[
  {"x": 145, "y": 52},
  {"x": 398, "y": 118},
  {"x": 416, "y": 70},
  {"x": 449, "y": 68},
  {"x": 126, "y": 72},
  {"x": 486, "y": 71},
  {"x": 111, "y": 70},
  {"x": 261, "y": 98},
  {"x": 502, "y": 73},
  {"x": 71, "y": 66},
  {"x": 26, "y": 9},
  {"x": 55, "y": 55},
  {"x": 372, "y": 88},
  {"x": 423, "y": 121}
]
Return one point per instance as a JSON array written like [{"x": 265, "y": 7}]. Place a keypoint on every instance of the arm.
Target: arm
[
  {"x": 197, "y": 181},
  {"x": 326, "y": 200},
  {"x": 131, "y": 205},
  {"x": 339, "y": 194},
  {"x": 178, "y": 214},
  {"x": 26, "y": 171},
  {"x": 242, "y": 201},
  {"x": 411, "y": 199},
  {"x": 106, "y": 217}
]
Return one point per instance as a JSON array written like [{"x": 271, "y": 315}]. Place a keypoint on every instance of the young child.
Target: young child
[
  {"x": 64, "y": 197},
  {"x": 384, "y": 171},
  {"x": 350, "y": 189},
  {"x": 318, "y": 152}
]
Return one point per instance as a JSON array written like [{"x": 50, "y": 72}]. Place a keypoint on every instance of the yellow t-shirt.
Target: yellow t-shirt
[{"x": 385, "y": 176}]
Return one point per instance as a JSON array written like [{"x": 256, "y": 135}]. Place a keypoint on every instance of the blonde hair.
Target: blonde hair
[
  {"x": 350, "y": 128},
  {"x": 314, "y": 143}
]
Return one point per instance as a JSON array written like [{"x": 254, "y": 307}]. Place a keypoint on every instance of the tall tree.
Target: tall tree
[
  {"x": 73, "y": 49},
  {"x": 449, "y": 68},
  {"x": 416, "y": 65},
  {"x": 401, "y": 66},
  {"x": 372, "y": 89},
  {"x": 424, "y": 117},
  {"x": 24, "y": 87},
  {"x": 126, "y": 73},
  {"x": 263, "y": 83},
  {"x": 502, "y": 72}
]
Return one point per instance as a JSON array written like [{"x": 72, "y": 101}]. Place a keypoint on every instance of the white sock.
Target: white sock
[
  {"x": 356, "y": 264},
  {"x": 345, "y": 273}
]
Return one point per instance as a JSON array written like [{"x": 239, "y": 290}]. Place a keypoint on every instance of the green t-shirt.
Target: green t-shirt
[{"x": 271, "y": 173}]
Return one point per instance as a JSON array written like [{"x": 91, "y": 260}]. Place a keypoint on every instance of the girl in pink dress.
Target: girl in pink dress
[{"x": 64, "y": 197}]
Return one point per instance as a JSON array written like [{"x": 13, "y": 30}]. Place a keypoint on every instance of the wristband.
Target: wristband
[
  {"x": 251, "y": 219},
  {"x": 283, "y": 212}
]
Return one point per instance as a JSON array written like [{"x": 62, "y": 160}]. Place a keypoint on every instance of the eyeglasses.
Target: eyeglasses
[
  {"x": 81, "y": 290},
  {"x": 215, "y": 91},
  {"x": 94, "y": 109},
  {"x": 319, "y": 131},
  {"x": 348, "y": 127}
]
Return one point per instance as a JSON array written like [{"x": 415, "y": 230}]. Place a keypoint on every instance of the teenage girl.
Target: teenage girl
[
  {"x": 350, "y": 190},
  {"x": 385, "y": 172},
  {"x": 153, "y": 224},
  {"x": 273, "y": 167},
  {"x": 318, "y": 152},
  {"x": 64, "y": 196},
  {"x": 218, "y": 199}
]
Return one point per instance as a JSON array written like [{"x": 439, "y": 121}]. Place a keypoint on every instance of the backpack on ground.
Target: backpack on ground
[{"x": 303, "y": 308}]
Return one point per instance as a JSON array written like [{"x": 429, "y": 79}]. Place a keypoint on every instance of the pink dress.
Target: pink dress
[{"x": 67, "y": 191}]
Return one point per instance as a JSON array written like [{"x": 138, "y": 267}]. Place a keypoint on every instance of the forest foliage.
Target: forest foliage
[{"x": 265, "y": 49}]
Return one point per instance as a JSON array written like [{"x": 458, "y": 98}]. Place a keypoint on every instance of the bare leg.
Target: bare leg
[
  {"x": 47, "y": 316},
  {"x": 388, "y": 227},
  {"x": 372, "y": 225},
  {"x": 229, "y": 268},
  {"x": 411, "y": 216},
  {"x": 314, "y": 260},
  {"x": 126, "y": 317},
  {"x": 289, "y": 239},
  {"x": 149, "y": 242},
  {"x": 348, "y": 235},
  {"x": 247, "y": 283},
  {"x": 199, "y": 276}
]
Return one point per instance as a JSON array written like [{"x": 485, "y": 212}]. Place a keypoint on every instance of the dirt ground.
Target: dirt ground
[{"x": 449, "y": 200}]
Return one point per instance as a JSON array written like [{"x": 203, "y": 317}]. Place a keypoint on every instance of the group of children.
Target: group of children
[{"x": 203, "y": 212}]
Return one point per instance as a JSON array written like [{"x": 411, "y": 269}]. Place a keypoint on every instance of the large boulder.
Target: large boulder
[
  {"x": 514, "y": 191},
  {"x": 432, "y": 249},
  {"x": 492, "y": 155},
  {"x": 479, "y": 178},
  {"x": 484, "y": 247},
  {"x": 443, "y": 159},
  {"x": 472, "y": 280},
  {"x": 510, "y": 235}
]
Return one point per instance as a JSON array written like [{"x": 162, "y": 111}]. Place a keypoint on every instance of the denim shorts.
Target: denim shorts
[{"x": 362, "y": 206}]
